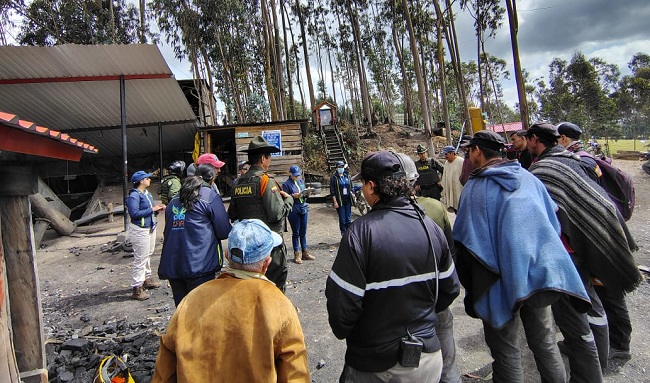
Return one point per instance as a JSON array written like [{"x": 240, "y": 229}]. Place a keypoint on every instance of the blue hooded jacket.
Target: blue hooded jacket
[{"x": 192, "y": 246}]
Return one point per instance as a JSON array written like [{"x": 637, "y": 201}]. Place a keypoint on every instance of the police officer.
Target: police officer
[
  {"x": 428, "y": 184},
  {"x": 170, "y": 185},
  {"x": 258, "y": 195}
]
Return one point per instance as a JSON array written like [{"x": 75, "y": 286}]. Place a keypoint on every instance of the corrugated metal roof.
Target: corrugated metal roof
[
  {"x": 76, "y": 89},
  {"x": 506, "y": 127}
]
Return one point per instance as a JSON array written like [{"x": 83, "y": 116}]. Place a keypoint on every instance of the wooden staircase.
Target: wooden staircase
[{"x": 334, "y": 148}]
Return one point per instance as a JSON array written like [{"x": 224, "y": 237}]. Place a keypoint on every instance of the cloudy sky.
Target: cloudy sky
[{"x": 613, "y": 30}]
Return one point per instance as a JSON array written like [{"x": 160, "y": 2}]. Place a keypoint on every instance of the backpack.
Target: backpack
[{"x": 618, "y": 184}]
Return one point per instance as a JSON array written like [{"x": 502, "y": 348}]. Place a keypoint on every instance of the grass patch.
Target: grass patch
[{"x": 625, "y": 145}]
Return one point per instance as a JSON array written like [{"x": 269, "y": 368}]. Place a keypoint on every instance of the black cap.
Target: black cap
[
  {"x": 379, "y": 164},
  {"x": 464, "y": 140},
  {"x": 486, "y": 139},
  {"x": 260, "y": 145},
  {"x": 569, "y": 129},
  {"x": 421, "y": 149},
  {"x": 543, "y": 129}
]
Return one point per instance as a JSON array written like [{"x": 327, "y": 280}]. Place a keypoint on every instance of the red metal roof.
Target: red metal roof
[
  {"x": 506, "y": 127},
  {"x": 18, "y": 136}
]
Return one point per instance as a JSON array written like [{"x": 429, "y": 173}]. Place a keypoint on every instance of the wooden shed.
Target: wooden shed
[
  {"x": 22, "y": 346},
  {"x": 324, "y": 114},
  {"x": 227, "y": 141}
]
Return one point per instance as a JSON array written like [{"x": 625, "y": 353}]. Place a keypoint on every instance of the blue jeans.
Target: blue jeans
[
  {"x": 298, "y": 224},
  {"x": 182, "y": 287},
  {"x": 345, "y": 216},
  {"x": 540, "y": 334}
]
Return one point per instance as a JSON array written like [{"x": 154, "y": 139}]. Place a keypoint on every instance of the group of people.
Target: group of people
[{"x": 400, "y": 266}]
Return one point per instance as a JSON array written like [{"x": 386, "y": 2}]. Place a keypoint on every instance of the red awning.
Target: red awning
[{"x": 26, "y": 137}]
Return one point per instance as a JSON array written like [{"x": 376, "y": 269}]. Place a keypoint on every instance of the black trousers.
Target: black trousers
[{"x": 620, "y": 326}]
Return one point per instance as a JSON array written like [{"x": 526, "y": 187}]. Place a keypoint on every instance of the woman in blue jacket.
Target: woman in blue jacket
[
  {"x": 298, "y": 216},
  {"x": 142, "y": 233},
  {"x": 195, "y": 223},
  {"x": 341, "y": 192}
]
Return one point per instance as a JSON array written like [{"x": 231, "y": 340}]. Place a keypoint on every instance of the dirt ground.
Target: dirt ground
[{"x": 84, "y": 287}]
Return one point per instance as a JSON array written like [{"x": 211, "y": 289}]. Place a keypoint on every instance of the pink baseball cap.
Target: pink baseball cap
[{"x": 211, "y": 159}]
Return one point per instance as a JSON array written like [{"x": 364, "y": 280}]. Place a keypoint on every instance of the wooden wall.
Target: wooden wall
[{"x": 291, "y": 145}]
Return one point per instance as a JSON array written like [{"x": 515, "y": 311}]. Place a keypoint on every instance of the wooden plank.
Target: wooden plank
[
  {"x": 43, "y": 209},
  {"x": 52, "y": 198},
  {"x": 22, "y": 281},
  {"x": 8, "y": 364},
  {"x": 40, "y": 227},
  {"x": 18, "y": 180}
]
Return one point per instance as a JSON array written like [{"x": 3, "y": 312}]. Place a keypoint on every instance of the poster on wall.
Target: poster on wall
[{"x": 274, "y": 137}]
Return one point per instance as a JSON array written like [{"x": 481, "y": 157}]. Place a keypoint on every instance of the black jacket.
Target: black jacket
[{"x": 383, "y": 282}]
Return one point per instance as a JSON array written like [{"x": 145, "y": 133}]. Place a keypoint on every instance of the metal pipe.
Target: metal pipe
[
  {"x": 125, "y": 169},
  {"x": 160, "y": 152}
]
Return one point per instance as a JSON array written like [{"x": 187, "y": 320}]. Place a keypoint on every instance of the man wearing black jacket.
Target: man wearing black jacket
[{"x": 389, "y": 280}]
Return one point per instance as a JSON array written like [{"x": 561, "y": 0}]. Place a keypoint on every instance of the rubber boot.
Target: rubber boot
[
  {"x": 306, "y": 256},
  {"x": 140, "y": 294},
  {"x": 296, "y": 257}
]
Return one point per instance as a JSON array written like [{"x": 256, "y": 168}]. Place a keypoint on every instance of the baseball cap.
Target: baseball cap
[
  {"x": 379, "y": 164},
  {"x": 408, "y": 166},
  {"x": 486, "y": 139},
  {"x": 295, "y": 170},
  {"x": 340, "y": 164},
  {"x": 448, "y": 149},
  {"x": 140, "y": 175},
  {"x": 250, "y": 241},
  {"x": 543, "y": 129},
  {"x": 211, "y": 159},
  {"x": 569, "y": 129}
]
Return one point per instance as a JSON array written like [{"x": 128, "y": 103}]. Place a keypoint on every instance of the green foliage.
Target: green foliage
[
  {"x": 314, "y": 154},
  {"x": 53, "y": 22},
  {"x": 575, "y": 94}
]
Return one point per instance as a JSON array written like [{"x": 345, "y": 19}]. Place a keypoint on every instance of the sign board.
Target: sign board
[{"x": 274, "y": 137}]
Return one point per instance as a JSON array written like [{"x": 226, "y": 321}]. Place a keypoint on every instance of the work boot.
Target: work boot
[
  {"x": 140, "y": 294},
  {"x": 150, "y": 284},
  {"x": 296, "y": 257},
  {"x": 306, "y": 256}
]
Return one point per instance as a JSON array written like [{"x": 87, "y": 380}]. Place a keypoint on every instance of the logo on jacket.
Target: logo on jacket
[{"x": 178, "y": 220}]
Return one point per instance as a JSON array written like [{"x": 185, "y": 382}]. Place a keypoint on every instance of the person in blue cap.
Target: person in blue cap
[
  {"x": 142, "y": 233},
  {"x": 341, "y": 192},
  {"x": 295, "y": 186}
]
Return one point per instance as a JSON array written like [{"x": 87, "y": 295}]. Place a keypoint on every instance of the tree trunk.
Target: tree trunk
[
  {"x": 521, "y": 92},
  {"x": 306, "y": 54},
  {"x": 267, "y": 35},
  {"x": 408, "y": 114},
  {"x": 298, "y": 80},
  {"x": 418, "y": 75},
  {"x": 277, "y": 58},
  {"x": 443, "y": 86},
  {"x": 292, "y": 102},
  {"x": 363, "y": 83},
  {"x": 143, "y": 26},
  {"x": 452, "y": 43}
]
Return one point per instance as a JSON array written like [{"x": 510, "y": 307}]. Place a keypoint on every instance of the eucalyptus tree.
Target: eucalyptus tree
[
  {"x": 575, "y": 94},
  {"x": 488, "y": 16},
  {"x": 8, "y": 9},
  {"x": 633, "y": 97},
  {"x": 299, "y": 10},
  {"x": 513, "y": 22},
  {"x": 418, "y": 75},
  {"x": 54, "y": 22}
]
